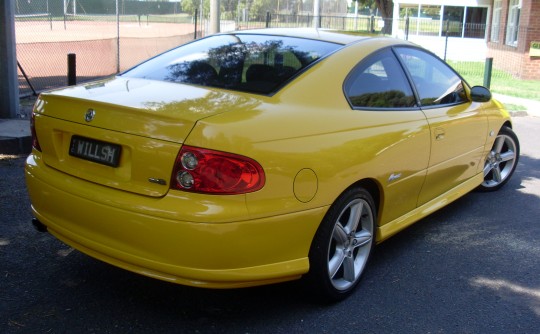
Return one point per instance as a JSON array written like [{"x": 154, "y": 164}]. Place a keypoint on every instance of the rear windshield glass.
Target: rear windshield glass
[{"x": 249, "y": 63}]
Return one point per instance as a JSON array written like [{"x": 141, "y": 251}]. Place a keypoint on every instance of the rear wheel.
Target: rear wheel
[
  {"x": 501, "y": 161},
  {"x": 342, "y": 245}
]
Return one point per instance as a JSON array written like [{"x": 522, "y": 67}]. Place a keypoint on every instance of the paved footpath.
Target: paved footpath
[{"x": 532, "y": 107}]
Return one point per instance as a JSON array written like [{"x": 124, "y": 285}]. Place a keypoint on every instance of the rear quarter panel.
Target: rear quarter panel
[{"x": 309, "y": 125}]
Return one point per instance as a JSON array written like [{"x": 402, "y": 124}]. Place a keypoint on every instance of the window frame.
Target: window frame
[
  {"x": 512, "y": 23},
  {"x": 496, "y": 21}
]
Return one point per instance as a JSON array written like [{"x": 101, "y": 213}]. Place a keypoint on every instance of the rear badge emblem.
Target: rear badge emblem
[
  {"x": 158, "y": 181},
  {"x": 90, "y": 114}
]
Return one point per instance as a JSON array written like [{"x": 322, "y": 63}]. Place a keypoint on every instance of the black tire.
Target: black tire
[
  {"x": 501, "y": 160},
  {"x": 342, "y": 246}
]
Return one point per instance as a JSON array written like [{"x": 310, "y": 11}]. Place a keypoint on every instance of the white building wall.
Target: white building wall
[{"x": 456, "y": 48}]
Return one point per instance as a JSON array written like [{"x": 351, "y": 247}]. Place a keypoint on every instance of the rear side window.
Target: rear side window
[
  {"x": 379, "y": 82},
  {"x": 435, "y": 82},
  {"x": 243, "y": 62}
]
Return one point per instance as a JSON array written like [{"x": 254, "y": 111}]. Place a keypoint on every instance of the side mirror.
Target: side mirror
[{"x": 480, "y": 94}]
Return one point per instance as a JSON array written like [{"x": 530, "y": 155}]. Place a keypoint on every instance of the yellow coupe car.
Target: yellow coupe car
[{"x": 256, "y": 157}]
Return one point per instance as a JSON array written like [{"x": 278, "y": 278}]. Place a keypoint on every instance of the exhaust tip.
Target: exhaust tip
[{"x": 39, "y": 226}]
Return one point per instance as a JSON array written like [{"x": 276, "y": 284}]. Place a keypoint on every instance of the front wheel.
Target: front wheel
[
  {"x": 501, "y": 161},
  {"x": 342, "y": 245}
]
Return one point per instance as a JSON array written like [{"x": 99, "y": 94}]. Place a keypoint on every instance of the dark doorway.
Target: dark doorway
[{"x": 475, "y": 24}]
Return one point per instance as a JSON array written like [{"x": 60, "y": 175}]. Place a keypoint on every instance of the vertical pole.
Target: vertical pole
[
  {"x": 26, "y": 78},
  {"x": 50, "y": 16},
  {"x": 201, "y": 12},
  {"x": 407, "y": 21},
  {"x": 72, "y": 69},
  {"x": 195, "y": 16},
  {"x": 487, "y": 72},
  {"x": 446, "y": 40},
  {"x": 267, "y": 19},
  {"x": 316, "y": 12},
  {"x": 9, "y": 89},
  {"x": 356, "y": 15},
  {"x": 65, "y": 12},
  {"x": 117, "y": 38},
  {"x": 214, "y": 16},
  {"x": 464, "y": 22}
]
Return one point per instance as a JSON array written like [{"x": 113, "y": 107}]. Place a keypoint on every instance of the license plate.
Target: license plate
[{"x": 95, "y": 150}]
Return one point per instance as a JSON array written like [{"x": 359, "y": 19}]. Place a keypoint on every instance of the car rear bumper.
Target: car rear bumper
[{"x": 172, "y": 238}]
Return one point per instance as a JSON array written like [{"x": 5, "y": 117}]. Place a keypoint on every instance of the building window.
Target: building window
[
  {"x": 512, "y": 28},
  {"x": 453, "y": 21},
  {"x": 496, "y": 20}
]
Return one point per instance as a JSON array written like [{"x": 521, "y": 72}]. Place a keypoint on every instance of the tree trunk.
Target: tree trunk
[{"x": 386, "y": 8}]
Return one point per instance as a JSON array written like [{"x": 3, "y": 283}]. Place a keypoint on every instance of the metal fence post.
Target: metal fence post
[
  {"x": 487, "y": 72},
  {"x": 446, "y": 40},
  {"x": 26, "y": 78},
  {"x": 72, "y": 69},
  {"x": 195, "y": 16},
  {"x": 117, "y": 37},
  {"x": 407, "y": 21}
]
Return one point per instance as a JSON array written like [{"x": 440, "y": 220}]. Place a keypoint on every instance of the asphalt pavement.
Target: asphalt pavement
[{"x": 472, "y": 267}]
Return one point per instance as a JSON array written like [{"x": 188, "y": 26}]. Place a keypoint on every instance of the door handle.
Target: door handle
[{"x": 439, "y": 134}]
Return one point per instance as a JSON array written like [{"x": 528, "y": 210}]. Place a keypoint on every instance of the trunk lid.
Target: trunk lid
[{"x": 144, "y": 121}]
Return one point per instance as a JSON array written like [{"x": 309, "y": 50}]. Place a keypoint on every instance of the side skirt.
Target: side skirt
[{"x": 387, "y": 230}]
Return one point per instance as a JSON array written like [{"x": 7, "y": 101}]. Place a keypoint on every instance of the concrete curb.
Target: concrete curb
[{"x": 15, "y": 136}]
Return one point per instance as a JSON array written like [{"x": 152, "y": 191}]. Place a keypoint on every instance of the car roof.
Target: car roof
[{"x": 332, "y": 36}]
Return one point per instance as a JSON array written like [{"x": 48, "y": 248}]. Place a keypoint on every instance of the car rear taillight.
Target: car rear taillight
[
  {"x": 214, "y": 172},
  {"x": 35, "y": 141}
]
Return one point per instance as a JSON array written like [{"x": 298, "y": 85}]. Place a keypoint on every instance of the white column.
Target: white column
[
  {"x": 395, "y": 20},
  {"x": 214, "y": 16},
  {"x": 316, "y": 12}
]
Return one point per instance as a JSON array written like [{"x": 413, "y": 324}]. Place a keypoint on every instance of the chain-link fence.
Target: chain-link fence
[
  {"x": 104, "y": 42},
  {"x": 109, "y": 36},
  {"x": 462, "y": 45}
]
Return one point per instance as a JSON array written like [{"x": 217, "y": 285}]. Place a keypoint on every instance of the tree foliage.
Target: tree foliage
[
  {"x": 189, "y": 6},
  {"x": 384, "y": 6}
]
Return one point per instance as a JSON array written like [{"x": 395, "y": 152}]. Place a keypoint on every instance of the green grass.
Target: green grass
[{"x": 501, "y": 82}]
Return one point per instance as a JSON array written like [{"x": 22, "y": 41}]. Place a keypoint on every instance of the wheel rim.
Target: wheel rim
[
  {"x": 500, "y": 161},
  {"x": 350, "y": 244}
]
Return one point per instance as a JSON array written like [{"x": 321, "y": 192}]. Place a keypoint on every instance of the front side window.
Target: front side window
[
  {"x": 379, "y": 82},
  {"x": 243, "y": 62},
  {"x": 436, "y": 83},
  {"x": 512, "y": 27}
]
